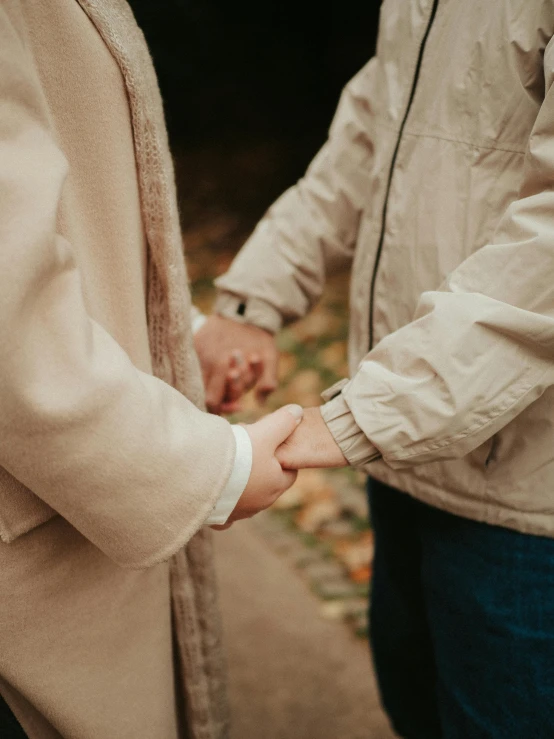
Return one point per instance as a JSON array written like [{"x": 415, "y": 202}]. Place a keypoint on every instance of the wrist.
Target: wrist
[
  {"x": 331, "y": 453},
  {"x": 311, "y": 445}
]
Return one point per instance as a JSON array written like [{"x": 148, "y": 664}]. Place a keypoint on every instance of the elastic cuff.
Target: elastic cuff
[
  {"x": 249, "y": 310},
  {"x": 354, "y": 444}
]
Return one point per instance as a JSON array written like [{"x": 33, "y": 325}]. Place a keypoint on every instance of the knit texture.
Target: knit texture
[{"x": 195, "y": 612}]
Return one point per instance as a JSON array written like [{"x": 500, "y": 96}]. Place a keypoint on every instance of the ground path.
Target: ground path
[{"x": 294, "y": 674}]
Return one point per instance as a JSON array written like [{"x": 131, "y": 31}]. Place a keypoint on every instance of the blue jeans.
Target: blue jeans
[{"x": 461, "y": 624}]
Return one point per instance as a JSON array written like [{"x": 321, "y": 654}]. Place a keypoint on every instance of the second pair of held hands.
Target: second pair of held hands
[{"x": 283, "y": 442}]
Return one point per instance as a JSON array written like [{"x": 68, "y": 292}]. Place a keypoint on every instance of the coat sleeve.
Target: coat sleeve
[
  {"x": 480, "y": 349},
  {"x": 280, "y": 271},
  {"x": 125, "y": 458}
]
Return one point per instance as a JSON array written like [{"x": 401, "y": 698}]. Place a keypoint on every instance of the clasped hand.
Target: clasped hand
[{"x": 235, "y": 358}]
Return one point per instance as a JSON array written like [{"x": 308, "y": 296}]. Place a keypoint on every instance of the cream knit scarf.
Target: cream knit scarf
[{"x": 196, "y": 618}]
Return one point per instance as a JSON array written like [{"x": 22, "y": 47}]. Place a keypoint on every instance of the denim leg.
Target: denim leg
[
  {"x": 399, "y": 632},
  {"x": 490, "y": 599}
]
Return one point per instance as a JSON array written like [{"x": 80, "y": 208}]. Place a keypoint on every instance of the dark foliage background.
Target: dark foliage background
[
  {"x": 250, "y": 89},
  {"x": 273, "y": 66}
]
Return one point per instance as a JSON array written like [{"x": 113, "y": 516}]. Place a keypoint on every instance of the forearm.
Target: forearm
[{"x": 124, "y": 457}]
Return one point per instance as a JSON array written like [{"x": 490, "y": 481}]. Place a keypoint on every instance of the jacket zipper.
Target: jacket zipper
[{"x": 391, "y": 169}]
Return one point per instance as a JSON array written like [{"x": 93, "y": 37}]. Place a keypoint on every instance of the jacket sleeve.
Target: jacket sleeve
[
  {"x": 126, "y": 459},
  {"x": 280, "y": 271},
  {"x": 480, "y": 349}
]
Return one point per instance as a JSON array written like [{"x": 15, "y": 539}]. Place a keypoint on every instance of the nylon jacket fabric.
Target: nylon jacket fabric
[{"x": 435, "y": 186}]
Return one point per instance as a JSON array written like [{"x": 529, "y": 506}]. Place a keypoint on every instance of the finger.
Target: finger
[
  {"x": 228, "y": 408},
  {"x": 279, "y": 425},
  {"x": 235, "y": 386},
  {"x": 269, "y": 378},
  {"x": 290, "y": 457},
  {"x": 251, "y": 372},
  {"x": 286, "y": 479},
  {"x": 256, "y": 366},
  {"x": 221, "y": 526},
  {"x": 250, "y": 375},
  {"x": 240, "y": 378},
  {"x": 289, "y": 478},
  {"x": 215, "y": 387},
  {"x": 284, "y": 456}
]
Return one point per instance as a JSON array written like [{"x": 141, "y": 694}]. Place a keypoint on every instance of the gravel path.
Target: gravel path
[{"x": 293, "y": 674}]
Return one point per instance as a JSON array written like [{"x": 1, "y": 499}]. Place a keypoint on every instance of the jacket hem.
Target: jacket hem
[{"x": 459, "y": 504}]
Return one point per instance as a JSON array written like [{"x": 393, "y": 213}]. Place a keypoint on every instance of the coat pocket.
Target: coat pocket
[{"x": 20, "y": 509}]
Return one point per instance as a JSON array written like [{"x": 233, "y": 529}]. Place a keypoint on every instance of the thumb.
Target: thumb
[
  {"x": 278, "y": 426},
  {"x": 268, "y": 380}
]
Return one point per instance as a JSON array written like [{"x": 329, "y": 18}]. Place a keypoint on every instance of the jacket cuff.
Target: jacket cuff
[
  {"x": 249, "y": 310},
  {"x": 352, "y": 441}
]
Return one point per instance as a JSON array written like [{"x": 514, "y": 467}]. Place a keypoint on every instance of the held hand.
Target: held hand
[
  {"x": 241, "y": 376},
  {"x": 311, "y": 445},
  {"x": 267, "y": 479},
  {"x": 235, "y": 357}
]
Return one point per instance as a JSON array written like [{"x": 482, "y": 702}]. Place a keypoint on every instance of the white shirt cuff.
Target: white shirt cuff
[
  {"x": 238, "y": 480},
  {"x": 198, "y": 321}
]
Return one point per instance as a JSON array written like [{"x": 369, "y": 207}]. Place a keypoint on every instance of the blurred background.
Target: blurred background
[{"x": 250, "y": 90}]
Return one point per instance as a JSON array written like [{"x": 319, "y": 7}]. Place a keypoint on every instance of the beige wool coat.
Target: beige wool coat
[
  {"x": 108, "y": 620},
  {"x": 437, "y": 186}
]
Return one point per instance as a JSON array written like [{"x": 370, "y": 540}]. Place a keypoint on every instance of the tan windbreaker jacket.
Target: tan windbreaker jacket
[{"x": 437, "y": 183}]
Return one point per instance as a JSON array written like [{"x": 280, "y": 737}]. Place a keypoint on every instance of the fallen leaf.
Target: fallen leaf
[
  {"x": 356, "y": 554},
  {"x": 287, "y": 364},
  {"x": 314, "y": 514},
  {"x": 333, "y": 356},
  {"x": 361, "y": 575}
]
